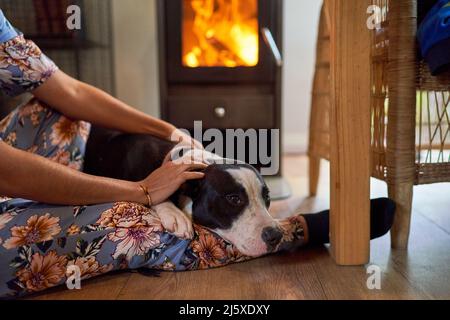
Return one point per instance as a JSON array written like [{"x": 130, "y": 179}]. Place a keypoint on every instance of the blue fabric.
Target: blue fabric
[
  {"x": 434, "y": 36},
  {"x": 7, "y": 31}
]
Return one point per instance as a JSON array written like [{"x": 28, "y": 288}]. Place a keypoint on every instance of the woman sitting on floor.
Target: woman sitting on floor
[{"x": 74, "y": 219}]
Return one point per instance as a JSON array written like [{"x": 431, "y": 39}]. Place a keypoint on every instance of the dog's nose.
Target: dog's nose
[{"x": 271, "y": 236}]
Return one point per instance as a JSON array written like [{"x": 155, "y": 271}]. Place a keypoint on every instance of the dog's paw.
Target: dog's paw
[{"x": 174, "y": 220}]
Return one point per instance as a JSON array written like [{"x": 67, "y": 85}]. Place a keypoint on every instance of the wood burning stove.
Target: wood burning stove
[{"x": 220, "y": 63}]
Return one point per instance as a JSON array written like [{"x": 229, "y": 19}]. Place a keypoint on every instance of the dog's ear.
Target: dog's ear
[{"x": 191, "y": 188}]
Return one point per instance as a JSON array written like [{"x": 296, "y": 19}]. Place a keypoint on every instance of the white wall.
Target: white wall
[
  {"x": 301, "y": 19},
  {"x": 137, "y": 70},
  {"x": 136, "y": 54}
]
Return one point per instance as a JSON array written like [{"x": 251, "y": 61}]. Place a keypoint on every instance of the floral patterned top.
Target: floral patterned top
[{"x": 23, "y": 67}]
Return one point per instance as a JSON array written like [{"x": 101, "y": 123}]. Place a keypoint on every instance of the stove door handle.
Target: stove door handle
[{"x": 270, "y": 42}]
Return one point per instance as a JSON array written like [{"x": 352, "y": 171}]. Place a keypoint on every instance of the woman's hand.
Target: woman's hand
[
  {"x": 181, "y": 138},
  {"x": 168, "y": 178}
]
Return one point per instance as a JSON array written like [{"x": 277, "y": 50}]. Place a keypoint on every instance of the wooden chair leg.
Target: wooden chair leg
[
  {"x": 401, "y": 127},
  {"x": 402, "y": 194},
  {"x": 314, "y": 173}
]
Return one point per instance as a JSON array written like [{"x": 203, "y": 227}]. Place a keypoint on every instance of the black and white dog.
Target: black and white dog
[{"x": 232, "y": 199}]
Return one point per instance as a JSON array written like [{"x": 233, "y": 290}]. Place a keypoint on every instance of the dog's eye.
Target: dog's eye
[
  {"x": 267, "y": 201},
  {"x": 234, "y": 199}
]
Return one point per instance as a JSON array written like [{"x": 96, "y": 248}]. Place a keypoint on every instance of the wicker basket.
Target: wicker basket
[
  {"x": 432, "y": 112},
  {"x": 410, "y": 113}
]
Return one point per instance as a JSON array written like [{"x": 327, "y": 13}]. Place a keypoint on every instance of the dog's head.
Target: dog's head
[{"x": 233, "y": 201}]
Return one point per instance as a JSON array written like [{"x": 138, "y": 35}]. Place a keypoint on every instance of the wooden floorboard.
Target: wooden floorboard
[
  {"x": 426, "y": 263},
  {"x": 433, "y": 202},
  {"x": 106, "y": 287},
  {"x": 419, "y": 273},
  {"x": 350, "y": 282},
  {"x": 275, "y": 277}
]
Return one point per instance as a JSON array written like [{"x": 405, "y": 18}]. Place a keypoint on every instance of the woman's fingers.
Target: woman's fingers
[
  {"x": 189, "y": 159},
  {"x": 192, "y": 175},
  {"x": 195, "y": 165},
  {"x": 198, "y": 144},
  {"x": 164, "y": 181}
]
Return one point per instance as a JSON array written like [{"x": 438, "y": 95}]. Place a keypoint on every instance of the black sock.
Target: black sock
[{"x": 381, "y": 218}]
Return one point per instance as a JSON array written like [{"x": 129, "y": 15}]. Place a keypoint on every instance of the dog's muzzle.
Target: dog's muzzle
[{"x": 271, "y": 237}]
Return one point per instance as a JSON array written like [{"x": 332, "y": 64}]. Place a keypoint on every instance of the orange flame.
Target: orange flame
[{"x": 220, "y": 33}]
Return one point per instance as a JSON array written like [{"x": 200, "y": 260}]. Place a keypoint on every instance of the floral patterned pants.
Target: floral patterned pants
[{"x": 39, "y": 242}]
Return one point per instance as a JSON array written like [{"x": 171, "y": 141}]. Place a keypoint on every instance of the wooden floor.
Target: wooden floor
[{"x": 422, "y": 272}]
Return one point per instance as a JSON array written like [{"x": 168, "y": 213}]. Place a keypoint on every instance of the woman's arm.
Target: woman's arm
[
  {"x": 81, "y": 101},
  {"x": 29, "y": 176}
]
